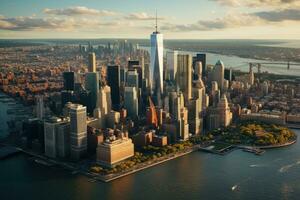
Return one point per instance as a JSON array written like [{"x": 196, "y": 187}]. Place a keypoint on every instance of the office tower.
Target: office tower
[
  {"x": 218, "y": 74},
  {"x": 171, "y": 65},
  {"x": 40, "y": 110},
  {"x": 224, "y": 112},
  {"x": 228, "y": 74},
  {"x": 69, "y": 80},
  {"x": 63, "y": 139},
  {"x": 201, "y": 58},
  {"x": 56, "y": 135},
  {"x": 265, "y": 88},
  {"x": 113, "y": 81},
  {"x": 156, "y": 66},
  {"x": 194, "y": 108},
  {"x": 198, "y": 70},
  {"x": 92, "y": 62},
  {"x": 78, "y": 131},
  {"x": 131, "y": 102},
  {"x": 104, "y": 100},
  {"x": 140, "y": 72},
  {"x": 132, "y": 78},
  {"x": 184, "y": 75},
  {"x": 123, "y": 72},
  {"x": 92, "y": 85},
  {"x": 182, "y": 125},
  {"x": 251, "y": 77}
]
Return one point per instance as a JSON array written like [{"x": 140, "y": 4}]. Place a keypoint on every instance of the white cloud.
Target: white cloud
[
  {"x": 142, "y": 16},
  {"x": 78, "y": 10},
  {"x": 259, "y": 3}
]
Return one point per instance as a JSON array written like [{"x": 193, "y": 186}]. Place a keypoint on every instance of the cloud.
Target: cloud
[
  {"x": 78, "y": 10},
  {"x": 63, "y": 24},
  {"x": 142, "y": 16},
  {"x": 280, "y": 15},
  {"x": 258, "y": 3}
]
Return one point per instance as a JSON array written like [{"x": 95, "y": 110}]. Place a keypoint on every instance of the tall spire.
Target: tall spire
[{"x": 156, "y": 20}]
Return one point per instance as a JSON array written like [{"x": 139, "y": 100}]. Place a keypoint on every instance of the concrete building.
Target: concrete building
[
  {"x": 224, "y": 112},
  {"x": 113, "y": 151},
  {"x": 57, "y": 137},
  {"x": 78, "y": 131}
]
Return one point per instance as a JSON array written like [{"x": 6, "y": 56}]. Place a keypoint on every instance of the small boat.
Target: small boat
[{"x": 233, "y": 187}]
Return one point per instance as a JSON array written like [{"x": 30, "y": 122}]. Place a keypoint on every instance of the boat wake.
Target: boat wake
[
  {"x": 238, "y": 184},
  {"x": 257, "y": 165},
  {"x": 286, "y": 168}
]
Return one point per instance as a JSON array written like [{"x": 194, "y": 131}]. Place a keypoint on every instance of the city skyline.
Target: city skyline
[{"x": 205, "y": 19}]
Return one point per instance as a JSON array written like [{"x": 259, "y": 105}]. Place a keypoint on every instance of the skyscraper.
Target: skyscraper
[
  {"x": 200, "y": 57},
  {"x": 92, "y": 62},
  {"x": 69, "y": 80},
  {"x": 113, "y": 81},
  {"x": 78, "y": 129},
  {"x": 92, "y": 85},
  {"x": 40, "y": 110},
  {"x": 131, "y": 102},
  {"x": 184, "y": 75},
  {"x": 156, "y": 65},
  {"x": 171, "y": 65},
  {"x": 218, "y": 74}
]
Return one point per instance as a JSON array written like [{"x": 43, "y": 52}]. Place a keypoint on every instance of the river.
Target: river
[{"x": 274, "y": 175}]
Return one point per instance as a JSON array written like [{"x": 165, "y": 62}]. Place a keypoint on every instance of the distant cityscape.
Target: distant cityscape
[{"x": 116, "y": 108}]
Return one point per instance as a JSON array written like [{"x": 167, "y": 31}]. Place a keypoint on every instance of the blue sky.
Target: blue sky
[{"x": 190, "y": 19}]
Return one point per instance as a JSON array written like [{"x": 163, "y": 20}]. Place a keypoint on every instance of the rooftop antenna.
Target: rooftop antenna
[{"x": 156, "y": 21}]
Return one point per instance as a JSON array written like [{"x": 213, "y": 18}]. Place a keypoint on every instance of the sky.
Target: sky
[{"x": 177, "y": 19}]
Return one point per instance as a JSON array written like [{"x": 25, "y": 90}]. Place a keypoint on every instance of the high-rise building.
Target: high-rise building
[
  {"x": 132, "y": 78},
  {"x": 200, "y": 57},
  {"x": 56, "y": 134},
  {"x": 105, "y": 100},
  {"x": 198, "y": 70},
  {"x": 218, "y": 74},
  {"x": 171, "y": 65},
  {"x": 69, "y": 80},
  {"x": 92, "y": 85},
  {"x": 131, "y": 102},
  {"x": 224, "y": 112},
  {"x": 40, "y": 110},
  {"x": 92, "y": 62},
  {"x": 113, "y": 81},
  {"x": 156, "y": 65},
  {"x": 184, "y": 75},
  {"x": 78, "y": 131}
]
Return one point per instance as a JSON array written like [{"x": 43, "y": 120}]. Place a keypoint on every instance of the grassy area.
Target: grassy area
[
  {"x": 255, "y": 133},
  {"x": 143, "y": 155}
]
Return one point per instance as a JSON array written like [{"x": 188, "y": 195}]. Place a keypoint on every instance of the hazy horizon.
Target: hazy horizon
[{"x": 191, "y": 19}]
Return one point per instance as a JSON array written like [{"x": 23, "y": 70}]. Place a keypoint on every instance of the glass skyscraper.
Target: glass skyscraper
[{"x": 156, "y": 66}]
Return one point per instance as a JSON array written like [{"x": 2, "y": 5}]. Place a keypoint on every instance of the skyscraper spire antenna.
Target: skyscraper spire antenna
[{"x": 156, "y": 20}]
